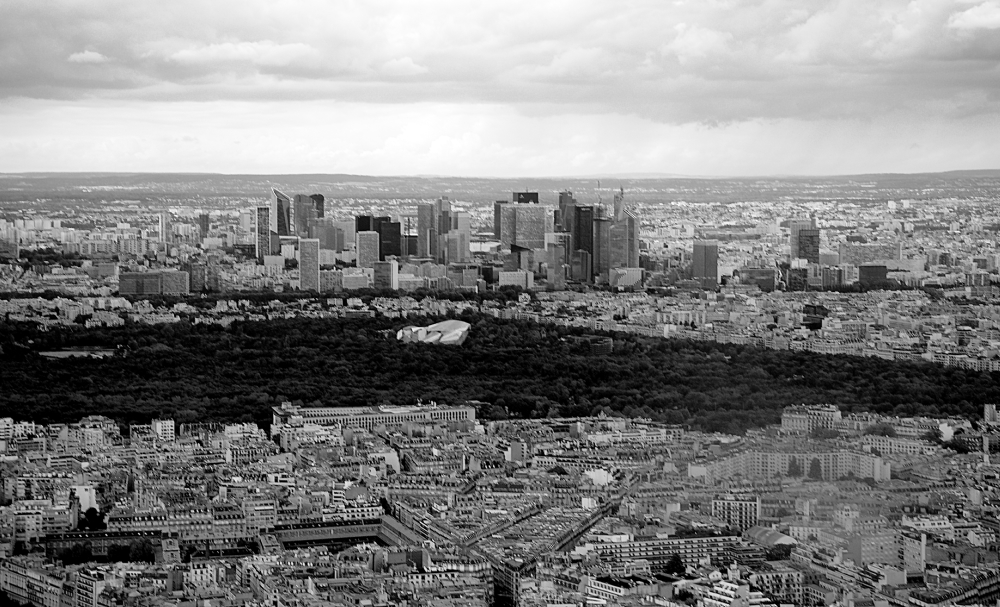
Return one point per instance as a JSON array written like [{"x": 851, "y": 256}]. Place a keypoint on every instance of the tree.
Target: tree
[
  {"x": 823, "y": 433},
  {"x": 77, "y": 554},
  {"x": 141, "y": 551},
  {"x": 794, "y": 467},
  {"x": 815, "y": 470},
  {"x": 92, "y": 520},
  {"x": 674, "y": 566},
  {"x": 881, "y": 429},
  {"x": 780, "y": 552}
]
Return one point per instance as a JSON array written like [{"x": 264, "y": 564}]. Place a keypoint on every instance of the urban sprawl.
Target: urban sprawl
[{"x": 426, "y": 505}]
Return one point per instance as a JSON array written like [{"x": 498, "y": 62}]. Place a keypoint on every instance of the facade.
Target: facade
[
  {"x": 739, "y": 512},
  {"x": 281, "y": 214},
  {"x": 794, "y": 227},
  {"x": 386, "y": 275},
  {"x": 164, "y": 282},
  {"x": 808, "y": 245},
  {"x": 691, "y": 548},
  {"x": 705, "y": 263},
  {"x": 262, "y": 233},
  {"x": 309, "y": 264},
  {"x": 368, "y": 417},
  {"x": 368, "y": 249}
]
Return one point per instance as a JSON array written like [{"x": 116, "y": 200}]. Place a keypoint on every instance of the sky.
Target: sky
[{"x": 500, "y": 89}]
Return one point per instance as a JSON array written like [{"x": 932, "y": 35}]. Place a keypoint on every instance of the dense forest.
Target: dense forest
[{"x": 201, "y": 372}]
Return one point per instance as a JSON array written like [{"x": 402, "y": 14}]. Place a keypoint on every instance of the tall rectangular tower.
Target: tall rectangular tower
[
  {"x": 368, "y": 249},
  {"x": 705, "y": 266},
  {"x": 808, "y": 246},
  {"x": 262, "y": 232},
  {"x": 281, "y": 214},
  {"x": 309, "y": 264}
]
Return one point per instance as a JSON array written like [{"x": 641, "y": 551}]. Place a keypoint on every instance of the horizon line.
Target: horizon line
[{"x": 594, "y": 176}]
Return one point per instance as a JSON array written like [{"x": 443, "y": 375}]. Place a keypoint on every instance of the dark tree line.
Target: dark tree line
[{"x": 518, "y": 369}]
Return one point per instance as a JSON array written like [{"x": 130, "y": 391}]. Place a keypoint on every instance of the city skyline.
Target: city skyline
[{"x": 707, "y": 89}]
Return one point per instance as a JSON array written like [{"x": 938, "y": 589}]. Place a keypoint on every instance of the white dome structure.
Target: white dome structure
[{"x": 448, "y": 333}]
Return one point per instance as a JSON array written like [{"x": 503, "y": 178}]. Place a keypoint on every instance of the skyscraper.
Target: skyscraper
[
  {"x": 583, "y": 229},
  {"x": 281, "y": 214},
  {"x": 305, "y": 215},
  {"x": 523, "y": 225},
  {"x": 163, "y": 225},
  {"x": 601, "y": 258},
  {"x": 309, "y": 264},
  {"x": 625, "y": 242},
  {"x": 390, "y": 239},
  {"x": 705, "y": 266},
  {"x": 203, "y": 224},
  {"x": 368, "y": 249},
  {"x": 386, "y": 275},
  {"x": 794, "y": 227},
  {"x": 808, "y": 246},
  {"x": 319, "y": 202},
  {"x": 567, "y": 208},
  {"x": 364, "y": 223},
  {"x": 262, "y": 241},
  {"x": 426, "y": 229}
]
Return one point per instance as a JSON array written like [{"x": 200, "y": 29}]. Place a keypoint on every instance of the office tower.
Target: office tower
[
  {"x": 262, "y": 241},
  {"x": 426, "y": 229},
  {"x": 990, "y": 413},
  {"x": 163, "y": 225},
  {"x": 350, "y": 232},
  {"x": 434, "y": 222},
  {"x": 583, "y": 229},
  {"x": 601, "y": 258},
  {"x": 456, "y": 248},
  {"x": 523, "y": 225},
  {"x": 794, "y": 226},
  {"x": 625, "y": 242},
  {"x": 808, "y": 245},
  {"x": 319, "y": 203},
  {"x": 461, "y": 237},
  {"x": 526, "y": 197},
  {"x": 580, "y": 266},
  {"x": 368, "y": 249},
  {"x": 386, "y": 275},
  {"x": 281, "y": 214},
  {"x": 364, "y": 223},
  {"x": 497, "y": 218},
  {"x": 203, "y": 224},
  {"x": 246, "y": 220},
  {"x": 330, "y": 236},
  {"x": 390, "y": 239},
  {"x": 305, "y": 215},
  {"x": 408, "y": 243},
  {"x": 309, "y": 264},
  {"x": 705, "y": 266},
  {"x": 567, "y": 206}
]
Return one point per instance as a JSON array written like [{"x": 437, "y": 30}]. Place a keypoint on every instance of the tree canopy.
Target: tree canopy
[{"x": 204, "y": 372}]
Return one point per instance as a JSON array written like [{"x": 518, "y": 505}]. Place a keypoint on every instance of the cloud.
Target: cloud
[
  {"x": 403, "y": 66},
  {"x": 982, "y": 16},
  {"x": 265, "y": 53},
  {"x": 715, "y": 64},
  {"x": 87, "y": 57},
  {"x": 693, "y": 43}
]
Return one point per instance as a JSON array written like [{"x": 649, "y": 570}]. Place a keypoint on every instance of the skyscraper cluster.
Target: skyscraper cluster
[
  {"x": 587, "y": 243},
  {"x": 443, "y": 234},
  {"x": 594, "y": 239}
]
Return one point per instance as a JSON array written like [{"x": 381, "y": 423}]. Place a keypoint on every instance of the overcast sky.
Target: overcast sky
[{"x": 534, "y": 88}]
